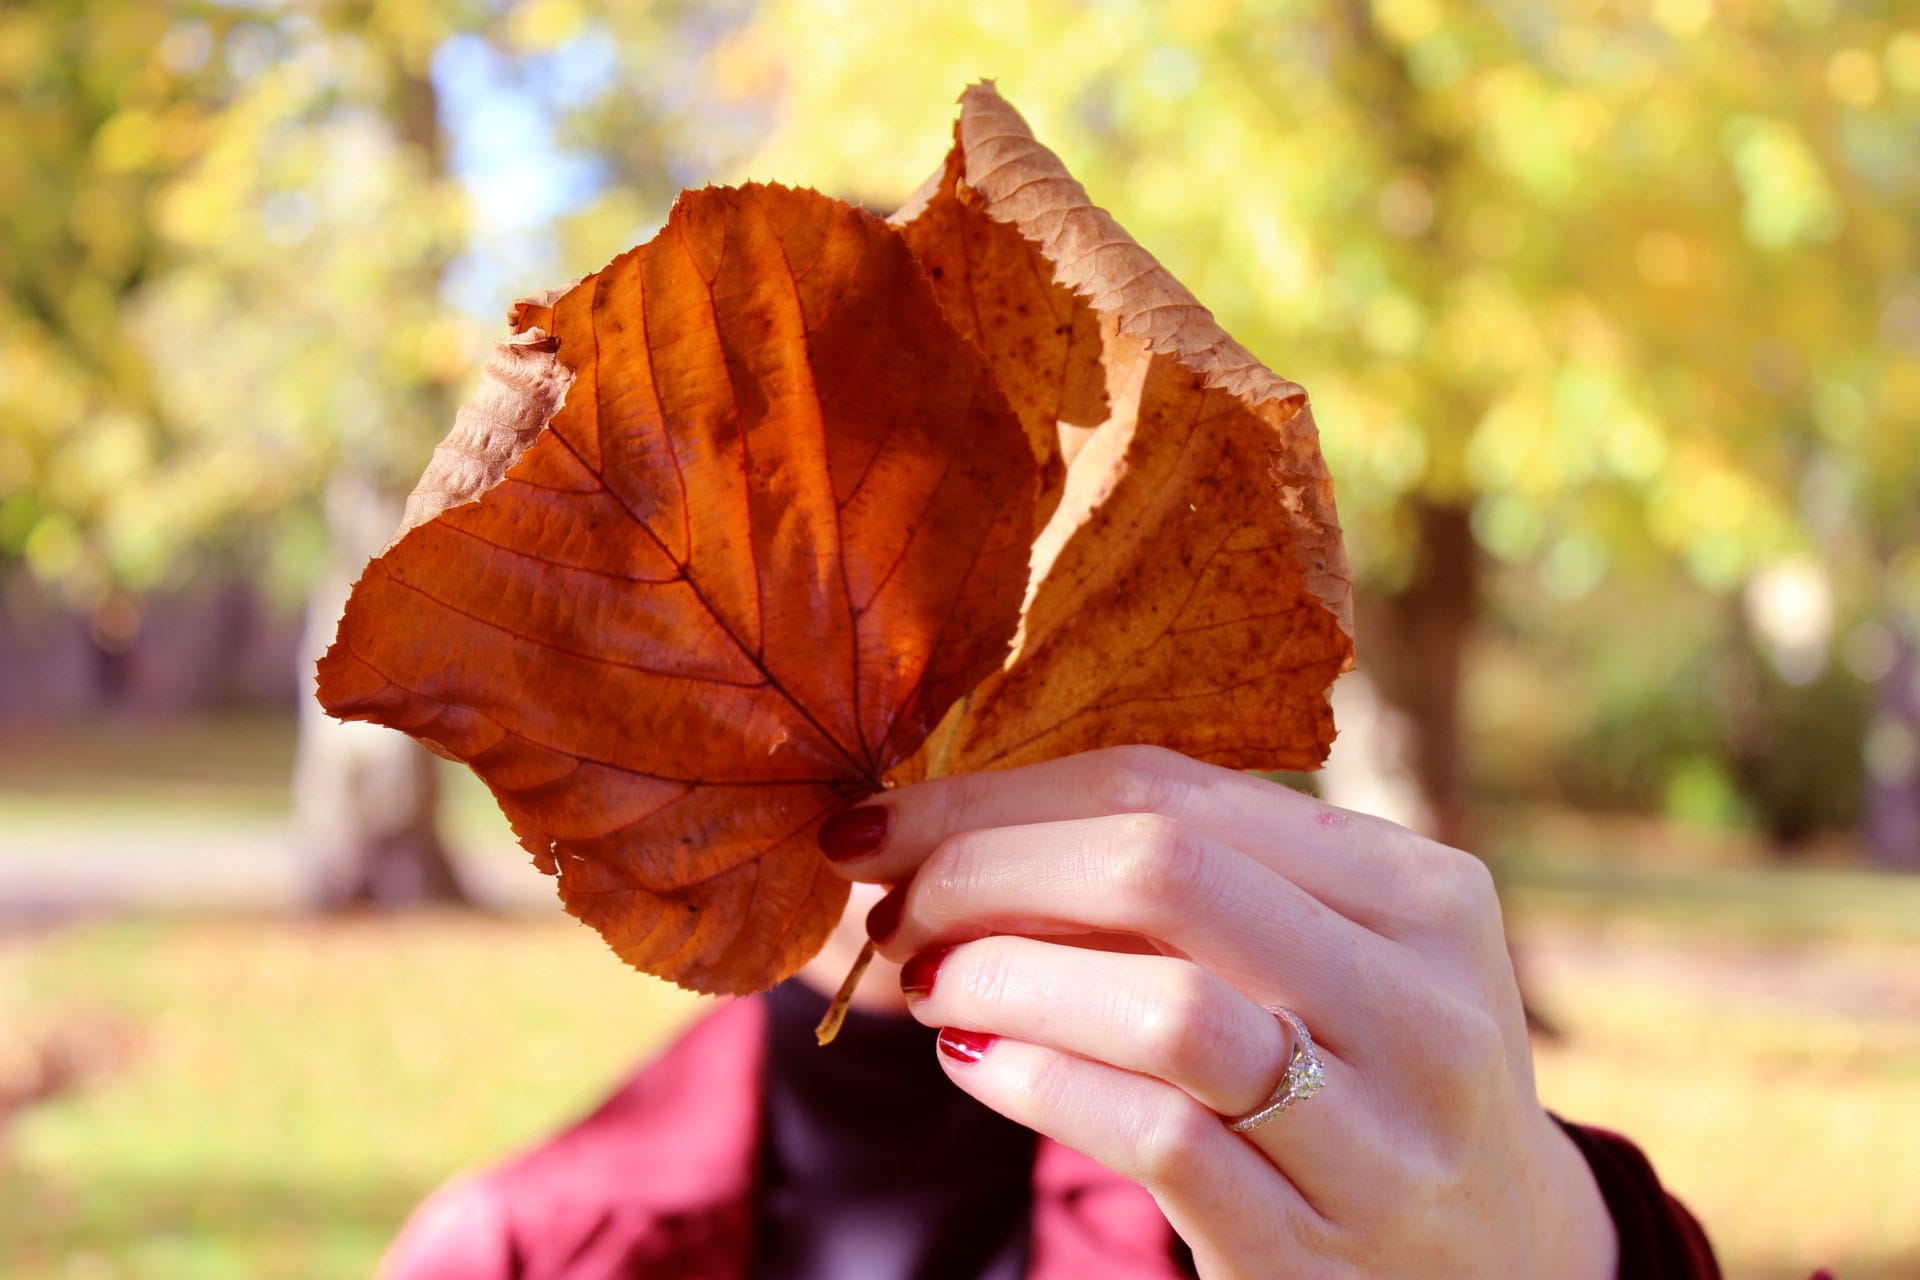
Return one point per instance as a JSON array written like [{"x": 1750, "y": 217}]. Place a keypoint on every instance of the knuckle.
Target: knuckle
[
  {"x": 1479, "y": 1046},
  {"x": 1139, "y": 779},
  {"x": 1037, "y": 1086},
  {"x": 985, "y": 978},
  {"x": 1469, "y": 1056},
  {"x": 1423, "y": 1184},
  {"x": 958, "y": 801},
  {"x": 1178, "y": 1022},
  {"x": 1473, "y": 889},
  {"x": 1175, "y": 1135},
  {"x": 1452, "y": 891},
  {"x": 1155, "y": 865},
  {"x": 951, "y": 875}
]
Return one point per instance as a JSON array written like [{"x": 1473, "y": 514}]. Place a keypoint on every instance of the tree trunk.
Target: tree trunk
[
  {"x": 1415, "y": 654},
  {"x": 365, "y": 798},
  {"x": 1891, "y": 819}
]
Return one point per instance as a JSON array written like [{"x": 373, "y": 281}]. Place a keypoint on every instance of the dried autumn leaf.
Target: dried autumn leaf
[
  {"x": 778, "y": 525},
  {"x": 1041, "y": 339},
  {"x": 1191, "y": 589},
  {"x": 625, "y": 613}
]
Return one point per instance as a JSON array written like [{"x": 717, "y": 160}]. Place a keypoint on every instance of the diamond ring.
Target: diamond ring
[{"x": 1306, "y": 1072}]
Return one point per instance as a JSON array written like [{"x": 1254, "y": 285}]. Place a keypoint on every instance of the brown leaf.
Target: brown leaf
[
  {"x": 1041, "y": 339},
  {"x": 521, "y": 387},
  {"x": 778, "y": 525},
  {"x": 1191, "y": 589}
]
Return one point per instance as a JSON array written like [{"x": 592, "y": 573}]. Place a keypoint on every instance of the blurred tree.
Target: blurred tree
[
  {"x": 1581, "y": 291},
  {"x": 230, "y": 241},
  {"x": 82, "y": 149},
  {"x": 186, "y": 171},
  {"x": 1577, "y": 288}
]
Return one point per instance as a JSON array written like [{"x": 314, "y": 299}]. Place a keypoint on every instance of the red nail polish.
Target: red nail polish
[
  {"x": 917, "y": 974},
  {"x": 965, "y": 1046},
  {"x": 884, "y": 919},
  {"x": 854, "y": 833}
]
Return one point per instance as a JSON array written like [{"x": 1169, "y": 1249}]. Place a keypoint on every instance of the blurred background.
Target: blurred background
[{"x": 1610, "y": 310}]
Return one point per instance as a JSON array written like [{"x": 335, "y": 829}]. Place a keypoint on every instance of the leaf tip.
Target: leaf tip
[{"x": 522, "y": 386}]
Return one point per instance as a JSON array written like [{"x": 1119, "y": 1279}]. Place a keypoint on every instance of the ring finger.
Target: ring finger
[
  {"x": 1222, "y": 1196},
  {"x": 1156, "y": 1016}
]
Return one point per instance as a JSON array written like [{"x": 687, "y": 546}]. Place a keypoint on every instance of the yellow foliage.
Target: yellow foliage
[{"x": 1519, "y": 264}]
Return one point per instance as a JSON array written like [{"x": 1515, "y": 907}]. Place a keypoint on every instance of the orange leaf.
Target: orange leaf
[
  {"x": 731, "y": 525},
  {"x": 778, "y": 525},
  {"x": 1191, "y": 589},
  {"x": 1041, "y": 339}
]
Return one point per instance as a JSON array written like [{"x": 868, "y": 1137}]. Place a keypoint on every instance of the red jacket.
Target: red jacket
[{"x": 657, "y": 1182}]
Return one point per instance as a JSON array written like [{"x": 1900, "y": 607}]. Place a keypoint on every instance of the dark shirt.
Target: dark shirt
[{"x": 873, "y": 1164}]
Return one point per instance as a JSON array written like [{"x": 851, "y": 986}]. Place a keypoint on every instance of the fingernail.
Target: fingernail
[
  {"x": 965, "y": 1046},
  {"x": 854, "y": 833},
  {"x": 884, "y": 919},
  {"x": 917, "y": 974}
]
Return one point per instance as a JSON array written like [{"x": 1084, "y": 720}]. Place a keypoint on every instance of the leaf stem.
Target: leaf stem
[
  {"x": 837, "y": 1011},
  {"x": 943, "y": 742}
]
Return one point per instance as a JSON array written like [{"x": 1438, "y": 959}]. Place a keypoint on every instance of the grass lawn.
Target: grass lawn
[
  {"x": 297, "y": 1086},
  {"x": 1777, "y": 1089},
  {"x": 294, "y": 1086}
]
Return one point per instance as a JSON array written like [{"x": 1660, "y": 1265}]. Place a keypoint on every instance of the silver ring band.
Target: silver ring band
[{"x": 1305, "y": 1074}]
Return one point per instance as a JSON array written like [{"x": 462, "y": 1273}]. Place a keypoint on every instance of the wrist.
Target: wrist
[{"x": 1575, "y": 1235}]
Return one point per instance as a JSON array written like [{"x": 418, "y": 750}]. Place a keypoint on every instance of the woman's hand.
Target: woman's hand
[{"x": 1100, "y": 935}]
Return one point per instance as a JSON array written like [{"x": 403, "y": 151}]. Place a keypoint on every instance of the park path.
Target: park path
[{"x": 58, "y": 870}]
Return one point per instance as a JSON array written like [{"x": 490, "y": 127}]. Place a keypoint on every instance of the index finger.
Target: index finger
[{"x": 1350, "y": 861}]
